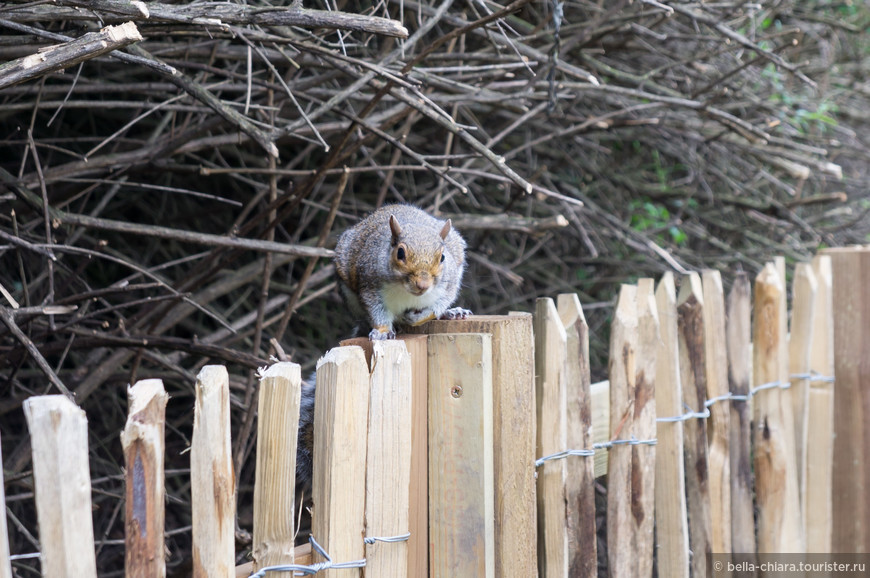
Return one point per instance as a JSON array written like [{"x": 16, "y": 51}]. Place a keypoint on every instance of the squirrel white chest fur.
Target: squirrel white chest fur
[{"x": 397, "y": 299}]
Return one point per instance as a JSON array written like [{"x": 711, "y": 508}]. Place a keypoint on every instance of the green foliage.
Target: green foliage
[{"x": 647, "y": 215}]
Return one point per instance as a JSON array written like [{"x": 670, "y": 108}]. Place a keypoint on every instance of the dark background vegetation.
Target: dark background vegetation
[{"x": 637, "y": 137}]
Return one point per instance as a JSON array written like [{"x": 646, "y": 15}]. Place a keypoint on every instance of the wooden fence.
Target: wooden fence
[{"x": 473, "y": 450}]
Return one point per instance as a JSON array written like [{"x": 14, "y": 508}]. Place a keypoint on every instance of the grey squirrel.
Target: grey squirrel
[
  {"x": 401, "y": 266},
  {"x": 398, "y": 266}
]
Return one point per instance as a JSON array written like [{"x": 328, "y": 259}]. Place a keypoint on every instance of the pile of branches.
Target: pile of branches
[{"x": 173, "y": 176}]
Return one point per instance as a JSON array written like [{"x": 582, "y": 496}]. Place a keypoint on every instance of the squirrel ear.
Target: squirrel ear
[
  {"x": 446, "y": 229},
  {"x": 395, "y": 227}
]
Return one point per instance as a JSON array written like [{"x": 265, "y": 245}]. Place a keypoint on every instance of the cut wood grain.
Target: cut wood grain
[
  {"x": 550, "y": 371},
  {"x": 388, "y": 459},
  {"x": 739, "y": 333},
  {"x": 793, "y": 522},
  {"x": 62, "y": 483},
  {"x": 275, "y": 482},
  {"x": 776, "y": 494},
  {"x": 693, "y": 377},
  {"x": 580, "y": 485},
  {"x": 820, "y": 429},
  {"x": 623, "y": 375},
  {"x": 643, "y": 456},
  {"x": 143, "y": 443},
  {"x": 850, "y": 268},
  {"x": 213, "y": 501},
  {"x": 338, "y": 484},
  {"x": 804, "y": 288},
  {"x": 672, "y": 529},
  {"x": 513, "y": 398},
  {"x": 461, "y": 531},
  {"x": 719, "y": 423}
]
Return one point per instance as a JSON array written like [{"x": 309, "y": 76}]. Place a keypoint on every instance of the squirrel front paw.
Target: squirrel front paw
[
  {"x": 456, "y": 313},
  {"x": 381, "y": 332}
]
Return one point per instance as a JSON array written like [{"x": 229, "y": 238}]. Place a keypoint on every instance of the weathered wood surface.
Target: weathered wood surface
[
  {"x": 739, "y": 333},
  {"x": 850, "y": 268},
  {"x": 213, "y": 496},
  {"x": 623, "y": 375},
  {"x": 388, "y": 459},
  {"x": 820, "y": 429},
  {"x": 5, "y": 564},
  {"x": 719, "y": 423},
  {"x": 338, "y": 485},
  {"x": 550, "y": 371},
  {"x": 62, "y": 484},
  {"x": 514, "y": 441},
  {"x": 275, "y": 482},
  {"x": 693, "y": 376},
  {"x": 580, "y": 485},
  {"x": 143, "y": 443},
  {"x": 672, "y": 528},
  {"x": 643, "y": 456},
  {"x": 800, "y": 336},
  {"x": 461, "y": 532}
]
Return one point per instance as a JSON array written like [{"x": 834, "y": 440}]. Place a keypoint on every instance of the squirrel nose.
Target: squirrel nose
[{"x": 423, "y": 284}]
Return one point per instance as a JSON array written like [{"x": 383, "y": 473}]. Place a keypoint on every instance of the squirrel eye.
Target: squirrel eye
[
  {"x": 442, "y": 257},
  {"x": 400, "y": 254}
]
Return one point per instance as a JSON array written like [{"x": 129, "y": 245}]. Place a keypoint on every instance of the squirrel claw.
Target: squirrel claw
[
  {"x": 378, "y": 334},
  {"x": 456, "y": 313}
]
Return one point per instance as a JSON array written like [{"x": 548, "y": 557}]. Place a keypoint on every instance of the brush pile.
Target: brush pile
[{"x": 173, "y": 175}]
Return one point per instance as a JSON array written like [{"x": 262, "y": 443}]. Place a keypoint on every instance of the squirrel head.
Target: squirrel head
[{"x": 418, "y": 257}]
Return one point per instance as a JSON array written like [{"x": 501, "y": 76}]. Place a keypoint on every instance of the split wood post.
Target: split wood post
[
  {"x": 388, "y": 459},
  {"x": 62, "y": 483},
  {"x": 719, "y": 423},
  {"x": 643, "y": 456},
  {"x": 776, "y": 491},
  {"x": 850, "y": 268},
  {"x": 800, "y": 337},
  {"x": 693, "y": 376},
  {"x": 5, "y": 564},
  {"x": 341, "y": 412},
  {"x": 580, "y": 485},
  {"x": 278, "y": 405},
  {"x": 623, "y": 375},
  {"x": 418, "y": 509},
  {"x": 739, "y": 333},
  {"x": 600, "y": 393},
  {"x": 461, "y": 530},
  {"x": 793, "y": 522},
  {"x": 514, "y": 441},
  {"x": 820, "y": 429},
  {"x": 550, "y": 371},
  {"x": 672, "y": 529},
  {"x": 212, "y": 490},
  {"x": 144, "y": 450}
]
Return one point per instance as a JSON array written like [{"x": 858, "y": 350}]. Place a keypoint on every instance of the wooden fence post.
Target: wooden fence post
[
  {"x": 59, "y": 438},
  {"x": 275, "y": 477},
  {"x": 671, "y": 523},
  {"x": 5, "y": 564},
  {"x": 580, "y": 485},
  {"x": 693, "y": 376},
  {"x": 820, "y": 434},
  {"x": 719, "y": 423},
  {"x": 212, "y": 489},
  {"x": 461, "y": 532},
  {"x": 622, "y": 372},
  {"x": 514, "y": 441},
  {"x": 388, "y": 459},
  {"x": 550, "y": 371},
  {"x": 775, "y": 490},
  {"x": 643, "y": 456},
  {"x": 850, "y": 268},
  {"x": 804, "y": 289},
  {"x": 739, "y": 332},
  {"x": 144, "y": 448},
  {"x": 340, "y": 424}
]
